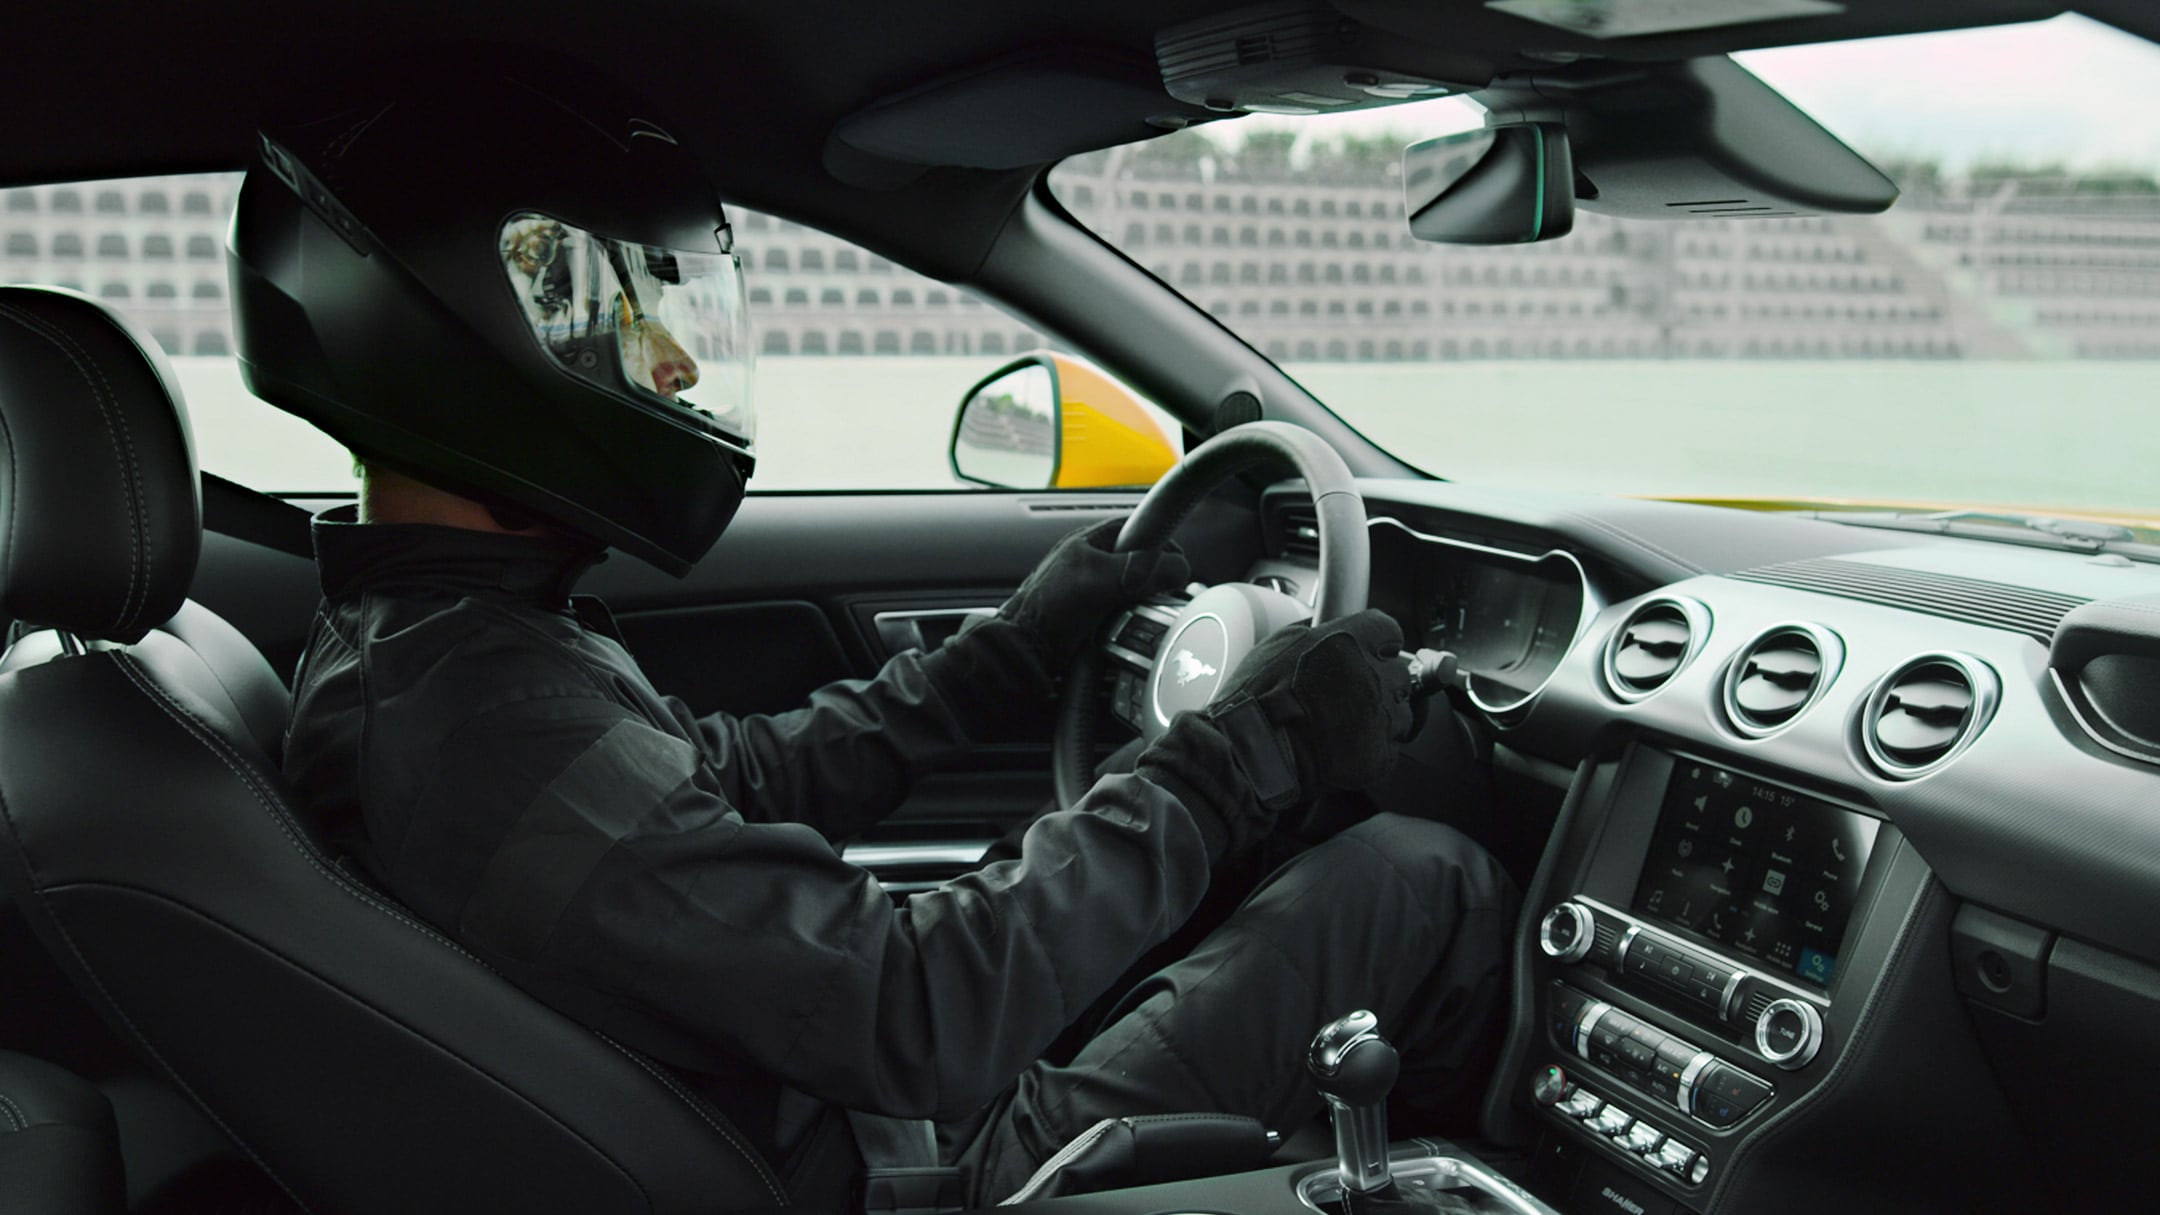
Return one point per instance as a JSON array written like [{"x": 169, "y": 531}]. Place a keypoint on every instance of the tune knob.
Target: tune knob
[
  {"x": 1566, "y": 932},
  {"x": 1788, "y": 1033}
]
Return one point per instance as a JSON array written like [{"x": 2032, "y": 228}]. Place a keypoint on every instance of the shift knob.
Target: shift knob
[{"x": 1355, "y": 1068}]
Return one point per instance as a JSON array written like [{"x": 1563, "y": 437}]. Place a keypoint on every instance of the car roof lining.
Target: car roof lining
[{"x": 176, "y": 88}]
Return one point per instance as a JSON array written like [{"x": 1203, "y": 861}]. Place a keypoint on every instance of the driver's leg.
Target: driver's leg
[{"x": 1403, "y": 916}]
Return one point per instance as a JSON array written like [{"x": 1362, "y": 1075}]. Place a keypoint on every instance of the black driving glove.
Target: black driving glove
[
  {"x": 1308, "y": 711},
  {"x": 1081, "y": 582}
]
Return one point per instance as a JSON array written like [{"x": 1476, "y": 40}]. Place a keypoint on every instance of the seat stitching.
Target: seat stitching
[
  {"x": 7, "y": 575},
  {"x": 141, "y": 1039},
  {"x": 359, "y": 1000},
  {"x": 233, "y": 761},
  {"x": 14, "y": 1113},
  {"x": 123, "y": 447},
  {"x": 228, "y": 755},
  {"x": 757, "y": 1163}
]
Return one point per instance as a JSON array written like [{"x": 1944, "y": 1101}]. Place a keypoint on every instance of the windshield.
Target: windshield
[{"x": 1991, "y": 341}]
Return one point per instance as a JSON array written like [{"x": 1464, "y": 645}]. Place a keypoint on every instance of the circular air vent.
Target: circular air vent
[
  {"x": 1926, "y": 711},
  {"x": 1652, "y": 644},
  {"x": 1778, "y": 675}
]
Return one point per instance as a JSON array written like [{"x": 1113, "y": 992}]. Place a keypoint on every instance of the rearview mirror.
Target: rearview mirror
[
  {"x": 1051, "y": 421},
  {"x": 1504, "y": 185}
]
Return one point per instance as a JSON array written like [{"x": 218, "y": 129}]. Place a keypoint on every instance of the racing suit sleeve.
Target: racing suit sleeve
[
  {"x": 617, "y": 862},
  {"x": 846, "y": 759}
]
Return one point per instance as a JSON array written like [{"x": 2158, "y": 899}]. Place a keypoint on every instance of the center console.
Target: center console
[{"x": 1709, "y": 935}]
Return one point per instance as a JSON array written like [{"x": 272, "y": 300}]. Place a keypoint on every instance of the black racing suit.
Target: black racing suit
[{"x": 674, "y": 880}]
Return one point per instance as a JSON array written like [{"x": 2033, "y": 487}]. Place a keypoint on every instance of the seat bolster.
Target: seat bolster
[
  {"x": 257, "y": 694},
  {"x": 59, "y": 1150}
]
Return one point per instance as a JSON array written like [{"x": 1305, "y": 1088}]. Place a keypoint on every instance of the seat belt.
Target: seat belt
[{"x": 902, "y": 1175}]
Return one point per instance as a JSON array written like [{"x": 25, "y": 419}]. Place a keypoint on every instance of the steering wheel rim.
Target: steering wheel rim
[{"x": 1345, "y": 563}]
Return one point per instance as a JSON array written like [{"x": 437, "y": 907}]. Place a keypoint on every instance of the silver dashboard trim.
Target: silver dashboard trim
[
  {"x": 869, "y": 856},
  {"x": 1699, "y": 622},
  {"x": 1987, "y": 695},
  {"x": 1588, "y": 1023},
  {"x": 1828, "y": 644},
  {"x": 1741, "y": 970},
  {"x": 1684, "y": 1100},
  {"x": 1592, "y": 604}
]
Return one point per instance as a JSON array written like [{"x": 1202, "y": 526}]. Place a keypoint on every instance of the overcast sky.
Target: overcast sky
[{"x": 2068, "y": 89}]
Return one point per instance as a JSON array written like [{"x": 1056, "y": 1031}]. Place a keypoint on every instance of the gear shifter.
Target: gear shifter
[{"x": 1354, "y": 1068}]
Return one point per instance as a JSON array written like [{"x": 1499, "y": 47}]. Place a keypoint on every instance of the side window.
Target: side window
[{"x": 862, "y": 364}]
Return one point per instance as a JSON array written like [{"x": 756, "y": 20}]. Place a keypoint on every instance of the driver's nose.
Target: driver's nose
[{"x": 673, "y": 370}]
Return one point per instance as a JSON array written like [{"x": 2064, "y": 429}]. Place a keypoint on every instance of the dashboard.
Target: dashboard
[{"x": 1857, "y": 839}]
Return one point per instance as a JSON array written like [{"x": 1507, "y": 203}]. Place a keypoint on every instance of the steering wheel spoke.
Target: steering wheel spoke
[{"x": 1170, "y": 655}]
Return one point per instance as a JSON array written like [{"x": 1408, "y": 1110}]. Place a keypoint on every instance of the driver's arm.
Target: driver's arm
[
  {"x": 628, "y": 873},
  {"x": 845, "y": 760}
]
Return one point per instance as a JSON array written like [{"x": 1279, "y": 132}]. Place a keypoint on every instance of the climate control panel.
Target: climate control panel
[{"x": 1787, "y": 1028}]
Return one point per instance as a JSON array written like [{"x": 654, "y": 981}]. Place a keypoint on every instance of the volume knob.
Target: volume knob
[{"x": 1566, "y": 932}]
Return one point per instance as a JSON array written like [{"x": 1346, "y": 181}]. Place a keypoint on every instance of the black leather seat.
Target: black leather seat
[
  {"x": 59, "y": 1153},
  {"x": 362, "y": 1059}
]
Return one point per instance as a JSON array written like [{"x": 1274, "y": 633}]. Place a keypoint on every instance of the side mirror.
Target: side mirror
[
  {"x": 1051, "y": 421},
  {"x": 1507, "y": 184}
]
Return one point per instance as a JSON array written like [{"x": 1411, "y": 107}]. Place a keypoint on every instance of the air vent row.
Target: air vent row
[
  {"x": 1653, "y": 644},
  {"x": 1297, "y": 531},
  {"x": 1774, "y": 678},
  {"x": 1997, "y": 605},
  {"x": 1926, "y": 711}
]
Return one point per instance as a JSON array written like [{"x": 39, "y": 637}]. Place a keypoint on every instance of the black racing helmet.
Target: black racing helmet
[{"x": 510, "y": 288}]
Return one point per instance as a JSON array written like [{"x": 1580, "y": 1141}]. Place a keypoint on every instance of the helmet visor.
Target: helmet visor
[{"x": 669, "y": 325}]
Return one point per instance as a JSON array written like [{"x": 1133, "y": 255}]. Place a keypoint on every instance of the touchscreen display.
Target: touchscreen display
[{"x": 1769, "y": 873}]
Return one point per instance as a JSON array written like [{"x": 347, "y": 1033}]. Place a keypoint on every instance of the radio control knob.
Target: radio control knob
[
  {"x": 1788, "y": 1033},
  {"x": 1566, "y": 932}
]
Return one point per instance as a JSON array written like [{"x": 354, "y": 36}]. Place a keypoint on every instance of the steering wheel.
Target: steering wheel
[{"x": 1199, "y": 647}]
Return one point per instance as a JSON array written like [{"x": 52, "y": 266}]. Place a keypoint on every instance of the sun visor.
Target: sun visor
[
  {"x": 1026, "y": 109},
  {"x": 1696, "y": 139}
]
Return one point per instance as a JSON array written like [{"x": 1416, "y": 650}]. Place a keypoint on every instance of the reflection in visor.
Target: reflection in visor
[{"x": 668, "y": 323}]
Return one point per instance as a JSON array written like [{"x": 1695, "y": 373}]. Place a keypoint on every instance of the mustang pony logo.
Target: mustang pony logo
[{"x": 1189, "y": 668}]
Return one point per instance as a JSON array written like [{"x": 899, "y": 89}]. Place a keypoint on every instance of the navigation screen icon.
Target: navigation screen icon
[
  {"x": 1773, "y": 882},
  {"x": 1816, "y": 966}
]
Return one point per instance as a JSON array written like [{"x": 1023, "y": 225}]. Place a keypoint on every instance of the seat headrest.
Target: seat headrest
[{"x": 100, "y": 506}]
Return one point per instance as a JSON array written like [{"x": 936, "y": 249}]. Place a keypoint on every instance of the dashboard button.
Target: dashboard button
[
  {"x": 1580, "y": 1104},
  {"x": 1664, "y": 1087},
  {"x": 1734, "y": 1085},
  {"x": 1675, "y": 1157},
  {"x": 1643, "y": 1138},
  {"x": 1724, "y": 1095},
  {"x": 1611, "y": 1120}
]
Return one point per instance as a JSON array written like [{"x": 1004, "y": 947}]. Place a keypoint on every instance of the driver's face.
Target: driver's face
[{"x": 651, "y": 356}]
